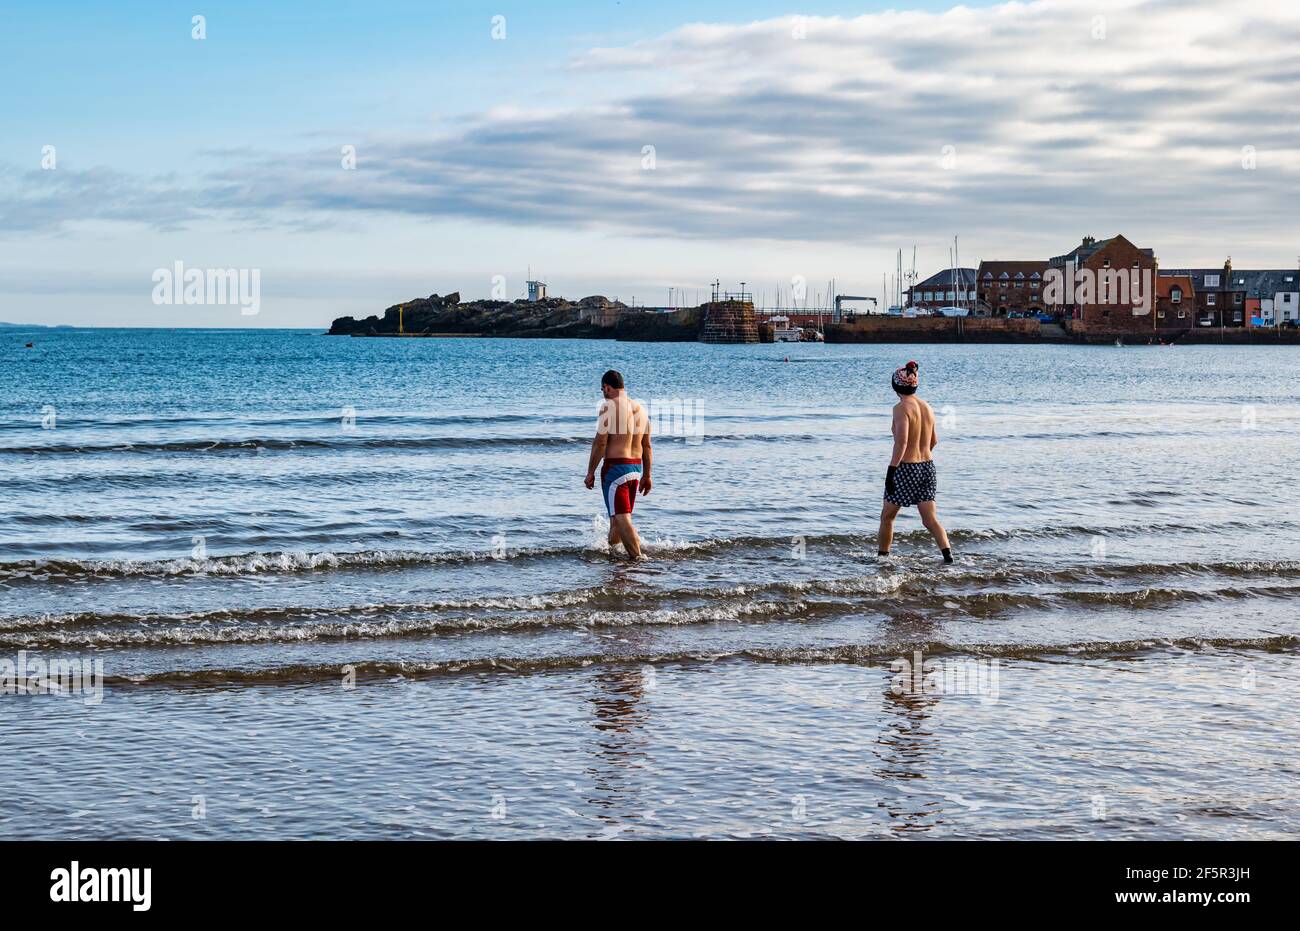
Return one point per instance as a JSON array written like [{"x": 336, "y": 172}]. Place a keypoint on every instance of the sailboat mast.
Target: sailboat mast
[{"x": 956, "y": 256}]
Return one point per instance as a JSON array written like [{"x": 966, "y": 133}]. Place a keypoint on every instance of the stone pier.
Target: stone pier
[{"x": 729, "y": 321}]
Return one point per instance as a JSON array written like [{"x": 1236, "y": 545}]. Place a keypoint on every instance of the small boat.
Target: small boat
[{"x": 783, "y": 332}]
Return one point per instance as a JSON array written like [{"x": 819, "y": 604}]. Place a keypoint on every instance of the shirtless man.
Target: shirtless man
[
  {"x": 623, "y": 441},
  {"x": 911, "y": 478}
]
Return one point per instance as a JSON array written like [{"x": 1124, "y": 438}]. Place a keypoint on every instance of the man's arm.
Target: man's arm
[
  {"x": 934, "y": 434},
  {"x": 900, "y": 430},
  {"x": 646, "y": 455},
  {"x": 900, "y": 437},
  {"x": 598, "y": 445}
]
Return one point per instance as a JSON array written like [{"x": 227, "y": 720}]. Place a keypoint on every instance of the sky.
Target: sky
[{"x": 622, "y": 148}]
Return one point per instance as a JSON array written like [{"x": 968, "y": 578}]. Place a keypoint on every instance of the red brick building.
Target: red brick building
[
  {"x": 1010, "y": 287},
  {"x": 1220, "y": 300},
  {"x": 1105, "y": 307},
  {"x": 1175, "y": 302}
]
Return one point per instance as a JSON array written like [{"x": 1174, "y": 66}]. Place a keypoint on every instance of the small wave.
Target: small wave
[
  {"x": 394, "y": 628},
  {"x": 853, "y": 654},
  {"x": 883, "y": 596},
  {"x": 303, "y": 443},
  {"x": 247, "y": 564},
  {"x": 256, "y": 445},
  {"x": 259, "y": 563}
]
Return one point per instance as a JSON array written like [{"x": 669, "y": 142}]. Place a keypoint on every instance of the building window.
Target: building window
[
  {"x": 1162, "y": 315},
  {"x": 1209, "y": 299},
  {"x": 1182, "y": 314},
  {"x": 1176, "y": 295},
  {"x": 1238, "y": 296},
  {"x": 1211, "y": 281},
  {"x": 1286, "y": 298}
]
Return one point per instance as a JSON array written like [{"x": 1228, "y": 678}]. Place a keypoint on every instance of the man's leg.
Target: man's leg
[
  {"x": 613, "y": 534},
  {"x": 627, "y": 533},
  {"x": 886, "y": 538},
  {"x": 931, "y": 521}
]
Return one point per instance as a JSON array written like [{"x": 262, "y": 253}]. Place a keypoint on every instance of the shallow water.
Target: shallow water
[{"x": 355, "y": 588}]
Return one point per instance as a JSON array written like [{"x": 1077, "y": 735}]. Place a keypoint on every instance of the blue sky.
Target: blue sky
[{"x": 779, "y": 154}]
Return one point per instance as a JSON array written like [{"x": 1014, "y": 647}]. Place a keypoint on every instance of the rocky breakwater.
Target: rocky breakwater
[
  {"x": 593, "y": 317},
  {"x": 677, "y": 326}
]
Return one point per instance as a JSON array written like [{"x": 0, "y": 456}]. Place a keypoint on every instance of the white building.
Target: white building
[{"x": 1279, "y": 297}]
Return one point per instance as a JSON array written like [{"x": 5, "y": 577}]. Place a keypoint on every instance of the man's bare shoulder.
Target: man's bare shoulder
[
  {"x": 605, "y": 415},
  {"x": 640, "y": 419}
]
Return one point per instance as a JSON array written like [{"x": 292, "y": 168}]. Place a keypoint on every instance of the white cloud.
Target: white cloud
[{"x": 839, "y": 135}]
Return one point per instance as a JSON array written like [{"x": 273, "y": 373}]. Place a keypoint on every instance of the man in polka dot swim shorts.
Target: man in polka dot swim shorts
[{"x": 911, "y": 479}]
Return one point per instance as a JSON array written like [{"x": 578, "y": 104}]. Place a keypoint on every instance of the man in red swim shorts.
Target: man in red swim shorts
[{"x": 623, "y": 442}]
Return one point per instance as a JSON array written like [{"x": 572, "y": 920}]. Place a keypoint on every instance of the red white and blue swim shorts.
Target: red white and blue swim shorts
[{"x": 618, "y": 481}]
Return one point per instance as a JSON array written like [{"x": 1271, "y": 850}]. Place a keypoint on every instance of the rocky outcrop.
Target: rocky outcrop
[
  {"x": 446, "y": 314},
  {"x": 593, "y": 317}
]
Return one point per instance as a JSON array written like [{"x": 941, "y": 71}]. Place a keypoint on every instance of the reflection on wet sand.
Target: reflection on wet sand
[
  {"x": 618, "y": 749},
  {"x": 905, "y": 748}
]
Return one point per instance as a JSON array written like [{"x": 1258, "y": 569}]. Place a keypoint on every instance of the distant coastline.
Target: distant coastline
[{"x": 597, "y": 317}]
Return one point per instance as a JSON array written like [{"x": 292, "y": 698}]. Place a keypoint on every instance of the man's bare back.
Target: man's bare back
[
  {"x": 913, "y": 430},
  {"x": 625, "y": 423}
]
